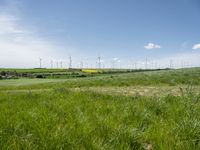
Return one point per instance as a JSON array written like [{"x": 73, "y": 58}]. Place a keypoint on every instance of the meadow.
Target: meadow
[{"x": 157, "y": 109}]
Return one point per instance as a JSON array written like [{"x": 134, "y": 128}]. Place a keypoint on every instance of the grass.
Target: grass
[
  {"x": 150, "y": 78},
  {"x": 95, "y": 117},
  {"x": 89, "y": 70},
  {"x": 23, "y": 82},
  {"x": 29, "y": 70},
  {"x": 88, "y": 120}
]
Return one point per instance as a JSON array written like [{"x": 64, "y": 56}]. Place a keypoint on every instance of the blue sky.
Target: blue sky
[{"x": 130, "y": 30}]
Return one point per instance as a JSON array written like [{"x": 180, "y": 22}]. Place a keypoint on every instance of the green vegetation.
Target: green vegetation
[
  {"x": 59, "y": 73},
  {"x": 135, "y": 110},
  {"x": 36, "y": 70}
]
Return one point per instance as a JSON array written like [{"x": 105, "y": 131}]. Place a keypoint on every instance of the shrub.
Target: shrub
[
  {"x": 39, "y": 76},
  {"x": 3, "y": 73},
  {"x": 24, "y": 74},
  {"x": 82, "y": 75}
]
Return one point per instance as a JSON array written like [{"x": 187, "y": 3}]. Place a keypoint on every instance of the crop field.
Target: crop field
[{"x": 91, "y": 109}]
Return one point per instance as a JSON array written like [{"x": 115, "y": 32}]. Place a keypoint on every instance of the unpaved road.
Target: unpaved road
[{"x": 126, "y": 91}]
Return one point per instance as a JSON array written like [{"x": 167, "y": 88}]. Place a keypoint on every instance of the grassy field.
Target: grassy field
[
  {"x": 21, "y": 82},
  {"x": 135, "y": 110},
  {"x": 36, "y": 70},
  {"x": 6, "y": 73}
]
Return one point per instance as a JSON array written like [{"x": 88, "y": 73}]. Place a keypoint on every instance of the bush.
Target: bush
[
  {"x": 82, "y": 75},
  {"x": 40, "y": 76},
  {"x": 24, "y": 74},
  {"x": 1, "y": 77},
  {"x": 3, "y": 73}
]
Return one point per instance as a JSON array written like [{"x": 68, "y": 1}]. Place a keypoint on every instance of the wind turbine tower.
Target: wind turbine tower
[
  {"x": 51, "y": 64},
  {"x": 171, "y": 63},
  {"x": 40, "y": 62},
  {"x": 70, "y": 62},
  {"x": 99, "y": 62},
  {"x": 146, "y": 64},
  {"x": 80, "y": 65},
  {"x": 57, "y": 64},
  {"x": 135, "y": 65},
  {"x": 61, "y": 64}
]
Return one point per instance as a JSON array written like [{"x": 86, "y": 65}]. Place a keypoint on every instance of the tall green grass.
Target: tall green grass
[
  {"x": 87, "y": 120},
  {"x": 61, "y": 118}
]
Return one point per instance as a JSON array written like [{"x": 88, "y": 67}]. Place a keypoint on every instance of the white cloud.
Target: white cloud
[
  {"x": 196, "y": 46},
  {"x": 115, "y": 59},
  {"x": 152, "y": 46},
  {"x": 20, "y": 46}
]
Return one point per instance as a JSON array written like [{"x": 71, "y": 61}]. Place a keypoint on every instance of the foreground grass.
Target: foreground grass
[
  {"x": 63, "y": 119},
  {"x": 145, "y": 110}
]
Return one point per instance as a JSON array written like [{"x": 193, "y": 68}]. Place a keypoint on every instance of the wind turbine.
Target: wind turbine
[
  {"x": 61, "y": 64},
  {"x": 119, "y": 62},
  {"x": 51, "y": 64},
  {"x": 135, "y": 65},
  {"x": 81, "y": 64},
  {"x": 146, "y": 63},
  {"x": 40, "y": 59},
  {"x": 57, "y": 64},
  {"x": 99, "y": 62},
  {"x": 171, "y": 64},
  {"x": 70, "y": 62},
  {"x": 115, "y": 61}
]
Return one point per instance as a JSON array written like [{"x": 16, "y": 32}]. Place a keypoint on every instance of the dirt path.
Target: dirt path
[
  {"x": 25, "y": 91},
  {"x": 127, "y": 91},
  {"x": 144, "y": 90}
]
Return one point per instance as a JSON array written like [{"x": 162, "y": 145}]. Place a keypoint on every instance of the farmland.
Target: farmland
[{"x": 107, "y": 109}]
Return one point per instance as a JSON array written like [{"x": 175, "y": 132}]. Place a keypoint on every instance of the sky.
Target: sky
[{"x": 124, "y": 33}]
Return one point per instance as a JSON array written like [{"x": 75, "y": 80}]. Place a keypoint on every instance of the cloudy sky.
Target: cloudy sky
[{"x": 124, "y": 31}]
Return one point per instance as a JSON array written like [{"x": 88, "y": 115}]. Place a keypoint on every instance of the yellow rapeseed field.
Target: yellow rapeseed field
[{"x": 90, "y": 71}]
